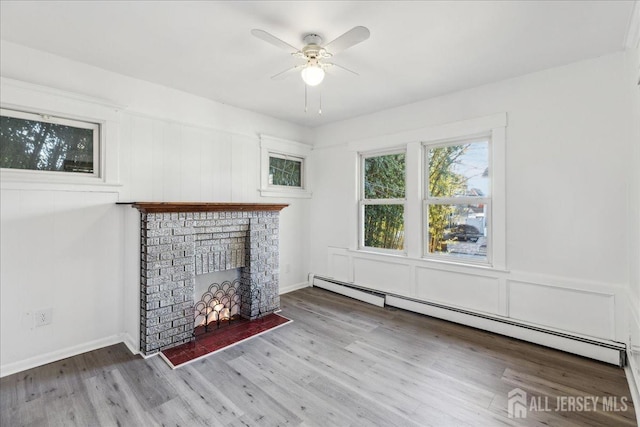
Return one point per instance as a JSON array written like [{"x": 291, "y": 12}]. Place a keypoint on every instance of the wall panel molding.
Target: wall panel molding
[
  {"x": 575, "y": 310},
  {"x": 565, "y": 304}
]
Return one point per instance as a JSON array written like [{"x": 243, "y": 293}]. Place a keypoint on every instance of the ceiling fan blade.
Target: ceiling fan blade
[
  {"x": 283, "y": 74},
  {"x": 332, "y": 64},
  {"x": 270, "y": 38},
  {"x": 348, "y": 39}
]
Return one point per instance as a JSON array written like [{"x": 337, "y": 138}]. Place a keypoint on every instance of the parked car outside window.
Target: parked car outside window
[{"x": 463, "y": 233}]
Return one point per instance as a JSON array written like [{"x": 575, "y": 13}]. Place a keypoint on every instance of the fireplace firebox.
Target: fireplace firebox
[{"x": 222, "y": 304}]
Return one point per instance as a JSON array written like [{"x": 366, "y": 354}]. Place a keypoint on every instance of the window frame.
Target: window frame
[
  {"x": 428, "y": 200},
  {"x": 363, "y": 202},
  {"x": 22, "y": 96},
  {"x": 494, "y": 125},
  {"x": 281, "y": 148},
  {"x": 96, "y": 127}
]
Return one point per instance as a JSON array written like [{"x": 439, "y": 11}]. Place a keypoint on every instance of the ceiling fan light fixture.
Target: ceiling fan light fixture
[{"x": 312, "y": 74}]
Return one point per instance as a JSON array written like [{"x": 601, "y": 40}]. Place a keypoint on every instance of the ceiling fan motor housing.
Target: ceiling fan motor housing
[
  {"x": 312, "y": 48},
  {"x": 312, "y": 39}
]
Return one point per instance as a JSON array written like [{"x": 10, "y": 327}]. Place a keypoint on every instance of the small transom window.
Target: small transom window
[
  {"x": 40, "y": 142},
  {"x": 285, "y": 171}
]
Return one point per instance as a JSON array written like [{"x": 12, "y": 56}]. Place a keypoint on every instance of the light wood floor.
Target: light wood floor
[{"x": 340, "y": 363}]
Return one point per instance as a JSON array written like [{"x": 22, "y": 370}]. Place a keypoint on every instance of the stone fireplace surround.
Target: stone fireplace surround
[{"x": 181, "y": 240}]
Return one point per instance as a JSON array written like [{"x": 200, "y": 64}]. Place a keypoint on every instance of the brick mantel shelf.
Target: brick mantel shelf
[{"x": 169, "y": 207}]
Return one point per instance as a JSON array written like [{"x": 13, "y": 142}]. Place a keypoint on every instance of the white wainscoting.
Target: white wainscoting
[
  {"x": 471, "y": 291},
  {"x": 382, "y": 275},
  {"x": 585, "y": 312},
  {"x": 565, "y": 305},
  {"x": 341, "y": 266}
]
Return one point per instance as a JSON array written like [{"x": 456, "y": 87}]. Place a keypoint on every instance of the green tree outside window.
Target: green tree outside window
[
  {"x": 384, "y": 179},
  {"x": 44, "y": 146}
]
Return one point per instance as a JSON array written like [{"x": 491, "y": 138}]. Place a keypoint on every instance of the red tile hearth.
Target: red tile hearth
[{"x": 221, "y": 338}]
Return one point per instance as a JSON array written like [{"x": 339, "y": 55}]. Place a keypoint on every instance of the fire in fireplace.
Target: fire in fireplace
[{"x": 222, "y": 304}]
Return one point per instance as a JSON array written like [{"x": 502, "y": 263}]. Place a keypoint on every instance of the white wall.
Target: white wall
[
  {"x": 569, "y": 133},
  {"x": 632, "y": 80},
  {"x": 69, "y": 247}
]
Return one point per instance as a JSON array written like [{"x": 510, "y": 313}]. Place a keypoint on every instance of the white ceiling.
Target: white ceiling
[{"x": 417, "y": 49}]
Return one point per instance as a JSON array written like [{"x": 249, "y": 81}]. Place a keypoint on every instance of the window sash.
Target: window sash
[
  {"x": 363, "y": 202},
  {"x": 363, "y": 159},
  {"x": 381, "y": 202},
  {"x": 301, "y": 160},
  {"x": 45, "y": 118},
  {"x": 441, "y": 144},
  {"x": 487, "y": 260},
  {"x": 429, "y": 200}
]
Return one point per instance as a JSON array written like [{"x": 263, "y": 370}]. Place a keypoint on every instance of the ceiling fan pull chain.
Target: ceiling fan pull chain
[
  {"x": 305, "y": 97},
  {"x": 320, "y": 109}
]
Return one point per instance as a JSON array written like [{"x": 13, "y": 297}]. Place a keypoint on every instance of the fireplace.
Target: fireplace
[{"x": 179, "y": 241}]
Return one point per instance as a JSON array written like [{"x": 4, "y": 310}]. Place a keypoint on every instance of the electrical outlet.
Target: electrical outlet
[{"x": 43, "y": 317}]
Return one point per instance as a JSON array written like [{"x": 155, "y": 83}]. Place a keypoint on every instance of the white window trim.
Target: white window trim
[
  {"x": 495, "y": 125},
  {"x": 362, "y": 202},
  {"x": 42, "y": 100},
  {"x": 277, "y": 147}
]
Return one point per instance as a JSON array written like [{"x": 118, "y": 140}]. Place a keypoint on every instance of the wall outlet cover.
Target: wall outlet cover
[{"x": 43, "y": 317}]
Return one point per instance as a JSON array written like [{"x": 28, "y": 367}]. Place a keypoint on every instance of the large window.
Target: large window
[
  {"x": 44, "y": 143},
  {"x": 382, "y": 201},
  {"x": 435, "y": 195},
  {"x": 457, "y": 201}
]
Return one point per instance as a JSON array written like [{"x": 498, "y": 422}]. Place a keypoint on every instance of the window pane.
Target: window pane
[
  {"x": 35, "y": 145},
  {"x": 459, "y": 170},
  {"x": 286, "y": 172},
  {"x": 458, "y": 230},
  {"x": 384, "y": 226},
  {"x": 384, "y": 177}
]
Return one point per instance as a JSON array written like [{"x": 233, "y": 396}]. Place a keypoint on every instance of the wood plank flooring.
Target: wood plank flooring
[{"x": 340, "y": 363}]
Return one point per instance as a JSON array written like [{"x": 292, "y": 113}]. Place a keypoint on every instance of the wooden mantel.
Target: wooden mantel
[{"x": 162, "y": 207}]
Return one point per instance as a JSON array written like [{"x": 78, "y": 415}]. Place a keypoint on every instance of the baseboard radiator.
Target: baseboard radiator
[{"x": 604, "y": 350}]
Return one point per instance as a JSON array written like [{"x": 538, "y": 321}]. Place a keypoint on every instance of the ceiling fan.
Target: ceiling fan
[{"x": 314, "y": 53}]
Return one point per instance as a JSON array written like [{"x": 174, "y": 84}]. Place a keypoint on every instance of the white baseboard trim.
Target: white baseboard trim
[
  {"x": 54, "y": 356},
  {"x": 293, "y": 287},
  {"x": 130, "y": 343}
]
